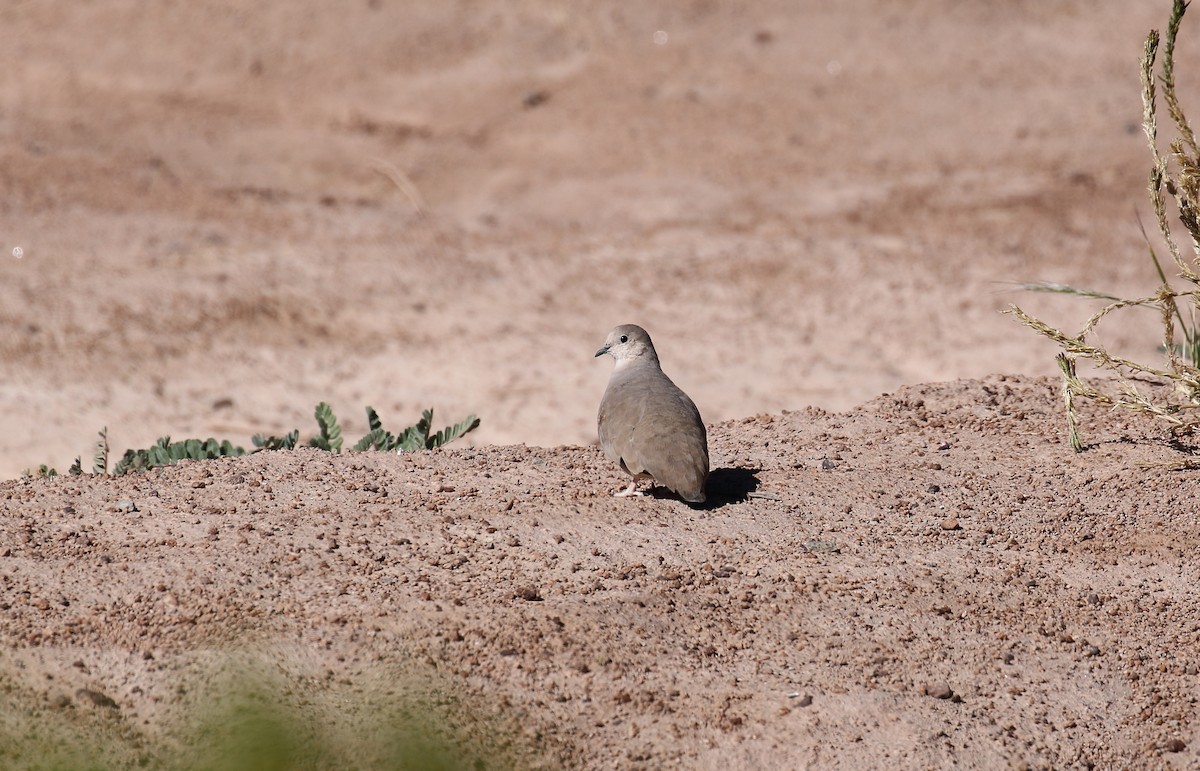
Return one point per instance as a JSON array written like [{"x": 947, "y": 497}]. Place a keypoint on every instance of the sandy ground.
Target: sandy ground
[
  {"x": 930, "y": 580},
  {"x": 213, "y": 218}
]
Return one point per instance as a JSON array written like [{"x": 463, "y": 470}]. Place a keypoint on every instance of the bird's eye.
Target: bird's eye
[{"x": 624, "y": 338}]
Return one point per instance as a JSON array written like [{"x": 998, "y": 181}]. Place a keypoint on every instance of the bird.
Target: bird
[{"x": 646, "y": 423}]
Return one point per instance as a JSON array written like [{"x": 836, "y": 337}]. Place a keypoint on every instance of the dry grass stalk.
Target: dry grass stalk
[{"x": 1178, "y": 174}]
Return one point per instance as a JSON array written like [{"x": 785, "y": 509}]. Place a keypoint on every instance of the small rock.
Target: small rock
[
  {"x": 939, "y": 690},
  {"x": 805, "y": 700},
  {"x": 61, "y": 701},
  {"x": 535, "y": 99},
  {"x": 127, "y": 506},
  {"x": 529, "y": 594},
  {"x": 1174, "y": 745},
  {"x": 951, "y": 523},
  {"x": 934, "y": 488},
  {"x": 828, "y": 465},
  {"x": 96, "y": 698}
]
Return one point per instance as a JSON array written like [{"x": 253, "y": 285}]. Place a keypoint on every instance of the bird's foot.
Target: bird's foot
[{"x": 629, "y": 491}]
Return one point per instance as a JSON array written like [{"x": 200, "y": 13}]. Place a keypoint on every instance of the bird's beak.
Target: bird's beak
[{"x": 602, "y": 351}]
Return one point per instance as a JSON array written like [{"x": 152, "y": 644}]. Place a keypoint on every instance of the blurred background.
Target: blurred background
[{"x": 215, "y": 215}]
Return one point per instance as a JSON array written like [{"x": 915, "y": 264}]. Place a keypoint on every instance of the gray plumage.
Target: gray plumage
[{"x": 646, "y": 423}]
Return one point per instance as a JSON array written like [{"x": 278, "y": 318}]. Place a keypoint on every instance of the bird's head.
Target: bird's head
[{"x": 628, "y": 342}]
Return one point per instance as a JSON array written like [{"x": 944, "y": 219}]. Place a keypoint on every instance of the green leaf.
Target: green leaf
[
  {"x": 100, "y": 457},
  {"x": 130, "y": 461},
  {"x": 450, "y": 433},
  {"x": 372, "y": 441},
  {"x": 285, "y": 442},
  {"x": 376, "y": 438},
  {"x": 164, "y": 452},
  {"x": 417, "y": 437},
  {"x": 330, "y": 437},
  {"x": 411, "y": 439}
]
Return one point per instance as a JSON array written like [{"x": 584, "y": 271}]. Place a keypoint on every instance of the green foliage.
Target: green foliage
[
  {"x": 449, "y": 433},
  {"x": 377, "y": 438},
  {"x": 241, "y": 720},
  {"x": 100, "y": 457},
  {"x": 249, "y": 735},
  {"x": 285, "y": 442},
  {"x": 43, "y": 472},
  {"x": 164, "y": 452},
  {"x": 415, "y": 437},
  {"x": 330, "y": 437},
  {"x": 1176, "y": 174}
]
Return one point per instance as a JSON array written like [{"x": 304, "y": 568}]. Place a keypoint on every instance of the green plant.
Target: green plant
[
  {"x": 330, "y": 437},
  {"x": 285, "y": 442},
  {"x": 231, "y": 717},
  {"x": 164, "y": 452},
  {"x": 100, "y": 457},
  {"x": 415, "y": 437},
  {"x": 1177, "y": 173}
]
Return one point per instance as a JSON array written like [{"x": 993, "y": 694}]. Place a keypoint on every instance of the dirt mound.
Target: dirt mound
[{"x": 931, "y": 580}]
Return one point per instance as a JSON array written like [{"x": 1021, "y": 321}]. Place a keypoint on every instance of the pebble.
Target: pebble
[
  {"x": 939, "y": 690},
  {"x": 951, "y": 523},
  {"x": 96, "y": 698},
  {"x": 529, "y": 594},
  {"x": 1175, "y": 745}
]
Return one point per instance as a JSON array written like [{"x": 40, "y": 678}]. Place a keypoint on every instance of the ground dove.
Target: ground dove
[{"x": 646, "y": 423}]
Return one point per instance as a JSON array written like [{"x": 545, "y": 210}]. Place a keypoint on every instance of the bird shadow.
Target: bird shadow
[{"x": 725, "y": 486}]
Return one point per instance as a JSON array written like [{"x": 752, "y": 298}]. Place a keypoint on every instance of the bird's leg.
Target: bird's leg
[{"x": 628, "y": 491}]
